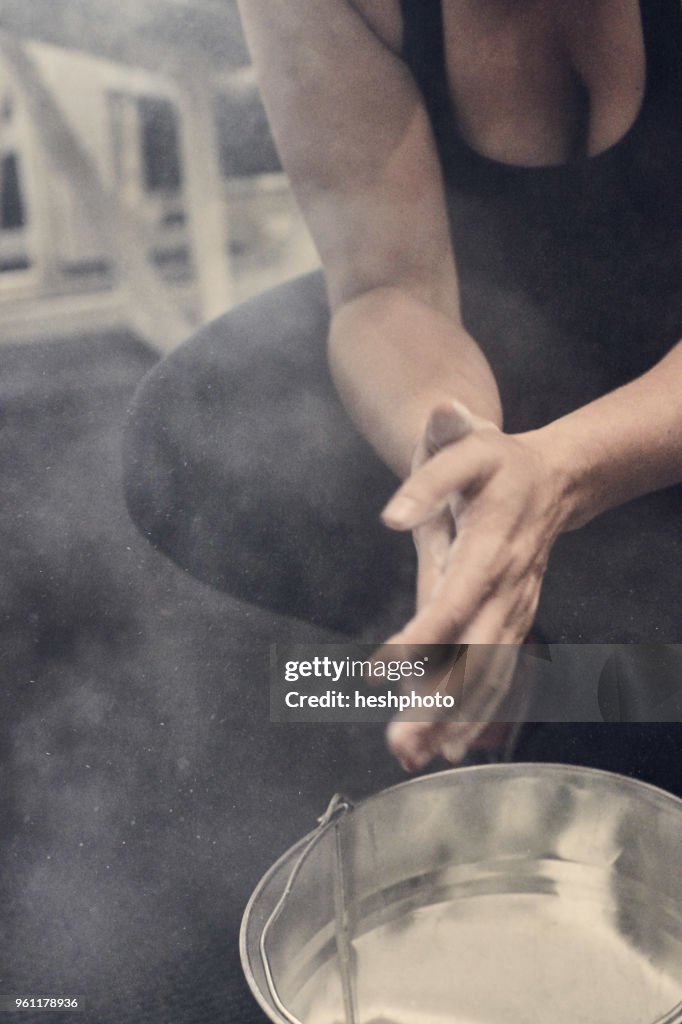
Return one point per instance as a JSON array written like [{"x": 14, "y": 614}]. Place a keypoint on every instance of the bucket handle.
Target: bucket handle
[{"x": 339, "y": 805}]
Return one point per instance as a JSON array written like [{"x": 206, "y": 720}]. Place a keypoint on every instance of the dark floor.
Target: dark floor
[{"x": 143, "y": 791}]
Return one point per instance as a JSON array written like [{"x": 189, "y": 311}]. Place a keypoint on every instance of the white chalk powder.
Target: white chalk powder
[{"x": 517, "y": 959}]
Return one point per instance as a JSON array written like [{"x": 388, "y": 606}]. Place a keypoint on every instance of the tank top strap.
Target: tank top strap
[
  {"x": 423, "y": 51},
  {"x": 422, "y": 30},
  {"x": 662, "y": 29}
]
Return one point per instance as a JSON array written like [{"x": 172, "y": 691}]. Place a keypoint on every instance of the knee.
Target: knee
[
  {"x": 152, "y": 454},
  {"x": 202, "y": 419}
]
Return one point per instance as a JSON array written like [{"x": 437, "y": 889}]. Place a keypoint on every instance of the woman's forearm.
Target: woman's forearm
[
  {"x": 393, "y": 358},
  {"x": 621, "y": 446}
]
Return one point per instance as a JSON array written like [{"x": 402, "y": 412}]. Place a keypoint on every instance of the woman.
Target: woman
[{"x": 493, "y": 187}]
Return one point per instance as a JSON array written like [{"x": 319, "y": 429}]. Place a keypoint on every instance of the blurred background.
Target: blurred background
[
  {"x": 143, "y": 791},
  {"x": 137, "y": 170}
]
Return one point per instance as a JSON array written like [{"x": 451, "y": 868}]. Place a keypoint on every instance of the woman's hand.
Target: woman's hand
[{"x": 485, "y": 508}]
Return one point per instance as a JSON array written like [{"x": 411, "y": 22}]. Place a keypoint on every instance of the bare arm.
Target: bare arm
[
  {"x": 486, "y": 507},
  {"x": 621, "y": 446},
  {"x": 356, "y": 141}
]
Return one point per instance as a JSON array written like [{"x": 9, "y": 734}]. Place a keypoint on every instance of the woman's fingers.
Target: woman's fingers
[
  {"x": 432, "y": 541},
  {"x": 508, "y": 619},
  {"x": 458, "y": 740},
  {"x": 477, "y": 564},
  {"x": 488, "y": 674},
  {"x": 414, "y": 744},
  {"x": 488, "y": 590},
  {"x": 455, "y": 470},
  {"x": 487, "y": 699},
  {"x": 483, "y": 527}
]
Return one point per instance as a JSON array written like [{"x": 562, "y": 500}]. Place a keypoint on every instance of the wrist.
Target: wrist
[{"x": 570, "y": 473}]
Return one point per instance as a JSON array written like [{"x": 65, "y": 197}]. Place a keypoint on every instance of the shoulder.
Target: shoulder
[{"x": 301, "y": 17}]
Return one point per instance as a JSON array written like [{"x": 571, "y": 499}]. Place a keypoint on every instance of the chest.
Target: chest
[
  {"x": 541, "y": 81},
  {"x": 532, "y": 81}
]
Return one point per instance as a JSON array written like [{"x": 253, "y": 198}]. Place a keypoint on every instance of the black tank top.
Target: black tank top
[
  {"x": 582, "y": 261},
  {"x": 423, "y": 51}
]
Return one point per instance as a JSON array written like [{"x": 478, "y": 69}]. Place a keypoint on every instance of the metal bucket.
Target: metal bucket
[{"x": 501, "y": 894}]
